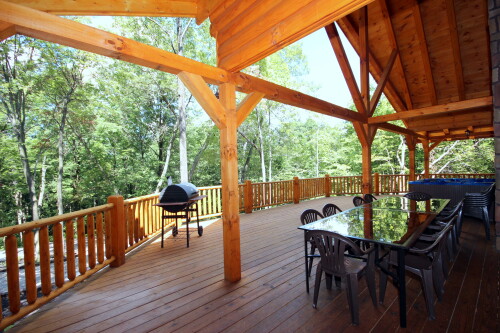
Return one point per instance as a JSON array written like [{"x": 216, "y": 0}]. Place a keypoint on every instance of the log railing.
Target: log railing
[
  {"x": 73, "y": 246},
  {"x": 56, "y": 253}
]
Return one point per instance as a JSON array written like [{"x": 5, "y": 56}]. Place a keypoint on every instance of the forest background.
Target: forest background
[{"x": 76, "y": 127}]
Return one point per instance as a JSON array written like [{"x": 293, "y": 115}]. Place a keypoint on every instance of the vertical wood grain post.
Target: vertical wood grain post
[
  {"x": 376, "y": 183},
  {"x": 248, "y": 197},
  {"x": 230, "y": 190},
  {"x": 410, "y": 141},
  {"x": 427, "y": 150},
  {"x": 366, "y": 151},
  {"x": 296, "y": 190},
  {"x": 328, "y": 186},
  {"x": 117, "y": 229}
]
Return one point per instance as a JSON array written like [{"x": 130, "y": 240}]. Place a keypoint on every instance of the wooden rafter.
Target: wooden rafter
[
  {"x": 435, "y": 110},
  {"x": 247, "y": 105},
  {"x": 399, "y": 130},
  {"x": 435, "y": 144},
  {"x": 419, "y": 29},
  {"x": 478, "y": 131},
  {"x": 205, "y": 8},
  {"x": 390, "y": 91},
  {"x": 382, "y": 82},
  {"x": 177, "y": 8},
  {"x": 205, "y": 97},
  {"x": 364, "y": 58},
  {"x": 455, "y": 48},
  {"x": 6, "y": 30},
  {"x": 340, "y": 53}
]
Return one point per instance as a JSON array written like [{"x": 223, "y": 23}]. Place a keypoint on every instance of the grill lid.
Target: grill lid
[{"x": 177, "y": 193}]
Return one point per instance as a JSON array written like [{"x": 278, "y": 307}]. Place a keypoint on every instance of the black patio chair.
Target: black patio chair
[
  {"x": 336, "y": 263},
  {"x": 418, "y": 196},
  {"x": 308, "y": 216},
  {"x": 425, "y": 263},
  {"x": 358, "y": 201},
  {"x": 331, "y": 209},
  {"x": 481, "y": 202},
  {"x": 369, "y": 198}
]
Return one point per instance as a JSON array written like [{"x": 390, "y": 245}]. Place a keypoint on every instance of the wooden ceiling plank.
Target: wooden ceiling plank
[
  {"x": 247, "y": 83},
  {"x": 352, "y": 35},
  {"x": 223, "y": 13},
  {"x": 394, "y": 44},
  {"x": 419, "y": 29},
  {"x": 177, "y": 8},
  {"x": 205, "y": 97},
  {"x": 251, "y": 47},
  {"x": 343, "y": 61},
  {"x": 435, "y": 110},
  {"x": 247, "y": 105},
  {"x": 6, "y": 30},
  {"x": 364, "y": 57},
  {"x": 382, "y": 82},
  {"x": 455, "y": 45}
]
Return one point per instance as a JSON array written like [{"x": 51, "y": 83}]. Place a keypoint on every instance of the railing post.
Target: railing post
[
  {"x": 328, "y": 186},
  {"x": 376, "y": 183},
  {"x": 117, "y": 230},
  {"x": 296, "y": 190},
  {"x": 248, "y": 197}
]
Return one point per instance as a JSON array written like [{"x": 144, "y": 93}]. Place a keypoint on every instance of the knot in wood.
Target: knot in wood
[
  {"x": 229, "y": 152},
  {"x": 118, "y": 43}
]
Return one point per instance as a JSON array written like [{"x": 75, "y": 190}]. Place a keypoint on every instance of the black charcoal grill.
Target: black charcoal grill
[{"x": 178, "y": 201}]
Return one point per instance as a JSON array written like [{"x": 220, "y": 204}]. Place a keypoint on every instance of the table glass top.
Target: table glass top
[
  {"x": 385, "y": 226},
  {"x": 402, "y": 203}
]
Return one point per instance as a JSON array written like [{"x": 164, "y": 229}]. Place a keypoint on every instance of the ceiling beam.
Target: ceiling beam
[
  {"x": 177, "y": 8},
  {"x": 390, "y": 91},
  {"x": 364, "y": 58},
  {"x": 399, "y": 130},
  {"x": 382, "y": 82},
  {"x": 6, "y": 30},
  {"x": 435, "y": 110},
  {"x": 424, "y": 52},
  {"x": 455, "y": 48},
  {"x": 343, "y": 61},
  {"x": 247, "y": 83},
  {"x": 399, "y": 69},
  {"x": 62, "y": 31}
]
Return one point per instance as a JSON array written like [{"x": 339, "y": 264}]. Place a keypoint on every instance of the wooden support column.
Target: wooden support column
[
  {"x": 118, "y": 232},
  {"x": 230, "y": 194},
  {"x": 427, "y": 151},
  {"x": 366, "y": 134},
  {"x": 411, "y": 143}
]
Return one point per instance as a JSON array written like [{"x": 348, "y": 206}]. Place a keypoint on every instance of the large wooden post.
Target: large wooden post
[
  {"x": 366, "y": 135},
  {"x": 230, "y": 194},
  {"x": 427, "y": 151}
]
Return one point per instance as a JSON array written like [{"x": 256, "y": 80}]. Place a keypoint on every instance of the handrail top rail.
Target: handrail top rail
[
  {"x": 52, "y": 220},
  {"x": 275, "y": 182}
]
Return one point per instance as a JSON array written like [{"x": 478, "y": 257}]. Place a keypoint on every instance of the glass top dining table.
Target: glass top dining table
[{"x": 394, "y": 222}]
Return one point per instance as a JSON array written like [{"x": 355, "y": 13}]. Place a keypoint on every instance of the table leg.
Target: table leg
[
  {"x": 402, "y": 287},
  {"x": 306, "y": 259}
]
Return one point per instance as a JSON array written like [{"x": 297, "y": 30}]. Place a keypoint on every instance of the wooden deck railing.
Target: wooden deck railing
[
  {"x": 82, "y": 239},
  {"x": 100, "y": 236}
]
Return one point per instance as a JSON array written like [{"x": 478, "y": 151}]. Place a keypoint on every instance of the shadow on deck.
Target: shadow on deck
[{"x": 180, "y": 289}]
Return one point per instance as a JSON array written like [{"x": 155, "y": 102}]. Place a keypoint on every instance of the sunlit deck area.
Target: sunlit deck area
[{"x": 183, "y": 289}]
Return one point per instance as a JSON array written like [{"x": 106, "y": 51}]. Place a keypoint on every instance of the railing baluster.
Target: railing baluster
[
  {"x": 45, "y": 261},
  {"x": 57, "y": 232},
  {"x": 91, "y": 240},
  {"x": 70, "y": 250},
  {"x": 29, "y": 266},
  {"x": 13, "y": 273},
  {"x": 107, "y": 233},
  {"x": 82, "y": 253},
  {"x": 100, "y": 238}
]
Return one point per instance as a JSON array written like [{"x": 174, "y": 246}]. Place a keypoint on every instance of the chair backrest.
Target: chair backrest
[
  {"x": 332, "y": 248},
  {"x": 310, "y": 215},
  {"x": 331, "y": 209},
  {"x": 418, "y": 196},
  {"x": 369, "y": 198},
  {"x": 439, "y": 242},
  {"x": 358, "y": 201}
]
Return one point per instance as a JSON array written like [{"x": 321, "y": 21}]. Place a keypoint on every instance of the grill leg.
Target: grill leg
[
  {"x": 162, "y": 226},
  {"x": 187, "y": 227}
]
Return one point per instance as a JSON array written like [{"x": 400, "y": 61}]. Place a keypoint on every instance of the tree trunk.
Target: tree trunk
[
  {"x": 60, "y": 169},
  {"x": 261, "y": 149},
  {"x": 197, "y": 158},
  {"x": 167, "y": 159}
]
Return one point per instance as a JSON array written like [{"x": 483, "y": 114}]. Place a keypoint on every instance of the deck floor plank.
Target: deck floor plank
[{"x": 180, "y": 289}]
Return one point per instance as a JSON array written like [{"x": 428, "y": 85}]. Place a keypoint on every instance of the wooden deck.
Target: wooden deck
[{"x": 180, "y": 289}]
